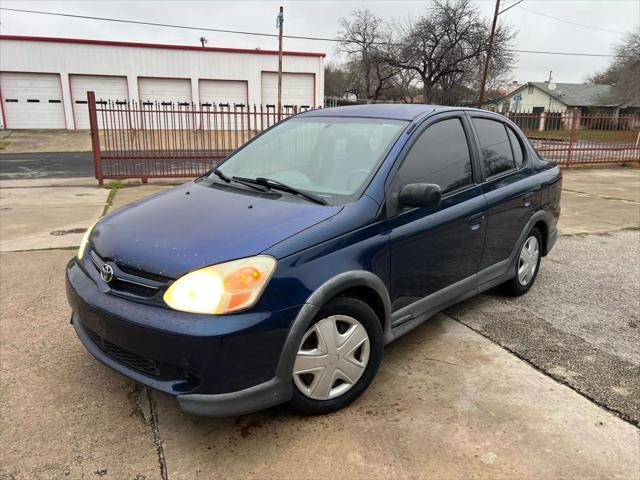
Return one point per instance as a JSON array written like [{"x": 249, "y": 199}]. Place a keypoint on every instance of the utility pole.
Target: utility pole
[
  {"x": 279, "y": 22},
  {"x": 485, "y": 72},
  {"x": 203, "y": 41},
  {"x": 548, "y": 85}
]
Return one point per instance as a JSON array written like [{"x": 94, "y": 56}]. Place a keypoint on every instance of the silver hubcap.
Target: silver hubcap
[
  {"x": 528, "y": 260},
  {"x": 332, "y": 357}
]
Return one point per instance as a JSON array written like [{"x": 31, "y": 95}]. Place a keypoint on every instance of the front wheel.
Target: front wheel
[
  {"x": 337, "y": 358},
  {"x": 527, "y": 265}
]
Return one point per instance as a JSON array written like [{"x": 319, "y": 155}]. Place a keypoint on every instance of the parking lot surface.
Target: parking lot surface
[
  {"x": 542, "y": 386},
  {"x": 15, "y": 166},
  {"x": 590, "y": 340}
]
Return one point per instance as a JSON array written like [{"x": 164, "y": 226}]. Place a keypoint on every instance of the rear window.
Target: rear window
[
  {"x": 497, "y": 156},
  {"x": 518, "y": 154}
]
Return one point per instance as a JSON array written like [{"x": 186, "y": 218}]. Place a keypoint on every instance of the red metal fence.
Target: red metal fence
[
  {"x": 572, "y": 138},
  {"x": 183, "y": 139},
  {"x": 171, "y": 139}
]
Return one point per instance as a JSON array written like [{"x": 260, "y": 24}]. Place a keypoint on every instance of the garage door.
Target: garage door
[
  {"x": 32, "y": 100},
  {"x": 170, "y": 94},
  {"x": 165, "y": 90},
  {"x": 105, "y": 88},
  {"x": 297, "y": 89},
  {"x": 223, "y": 92}
]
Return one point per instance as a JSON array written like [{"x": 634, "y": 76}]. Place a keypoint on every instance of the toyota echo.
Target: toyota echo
[{"x": 280, "y": 275}]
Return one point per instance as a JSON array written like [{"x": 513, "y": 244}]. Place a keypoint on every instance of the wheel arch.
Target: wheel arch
[
  {"x": 359, "y": 283},
  {"x": 543, "y": 228},
  {"x": 362, "y": 284}
]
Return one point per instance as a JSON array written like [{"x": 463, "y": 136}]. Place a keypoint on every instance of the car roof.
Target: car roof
[{"x": 394, "y": 111}]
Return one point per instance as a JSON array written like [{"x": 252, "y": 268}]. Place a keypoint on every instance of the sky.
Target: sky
[{"x": 604, "y": 23}]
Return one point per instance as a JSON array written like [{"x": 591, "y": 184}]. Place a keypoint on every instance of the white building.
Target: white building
[
  {"x": 545, "y": 97},
  {"x": 44, "y": 81}
]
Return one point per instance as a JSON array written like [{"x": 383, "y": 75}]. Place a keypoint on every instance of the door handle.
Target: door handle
[{"x": 475, "y": 220}]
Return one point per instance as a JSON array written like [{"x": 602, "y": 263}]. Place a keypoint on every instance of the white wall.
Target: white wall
[
  {"x": 134, "y": 62},
  {"x": 536, "y": 99}
]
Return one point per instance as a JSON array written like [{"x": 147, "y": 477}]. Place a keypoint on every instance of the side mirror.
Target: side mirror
[{"x": 420, "y": 195}]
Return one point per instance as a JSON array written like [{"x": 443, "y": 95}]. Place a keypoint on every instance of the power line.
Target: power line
[
  {"x": 568, "y": 21},
  {"x": 168, "y": 25},
  {"x": 510, "y": 7},
  {"x": 259, "y": 34},
  {"x": 577, "y": 54}
]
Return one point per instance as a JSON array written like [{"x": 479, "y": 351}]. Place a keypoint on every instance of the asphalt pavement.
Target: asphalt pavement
[
  {"x": 14, "y": 166},
  {"x": 579, "y": 324}
]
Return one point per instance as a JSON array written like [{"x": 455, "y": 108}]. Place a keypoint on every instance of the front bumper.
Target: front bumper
[{"x": 215, "y": 365}]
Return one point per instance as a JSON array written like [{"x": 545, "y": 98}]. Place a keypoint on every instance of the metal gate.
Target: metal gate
[{"x": 132, "y": 139}]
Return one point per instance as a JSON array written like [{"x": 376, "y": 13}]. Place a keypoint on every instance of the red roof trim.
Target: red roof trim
[{"x": 156, "y": 45}]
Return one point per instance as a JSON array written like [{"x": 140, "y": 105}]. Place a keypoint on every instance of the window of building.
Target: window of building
[
  {"x": 530, "y": 90},
  {"x": 496, "y": 149},
  {"x": 440, "y": 156}
]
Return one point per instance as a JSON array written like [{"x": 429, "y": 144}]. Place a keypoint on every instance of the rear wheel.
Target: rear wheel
[
  {"x": 337, "y": 358},
  {"x": 527, "y": 265}
]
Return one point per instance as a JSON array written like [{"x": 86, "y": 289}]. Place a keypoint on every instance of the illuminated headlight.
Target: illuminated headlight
[
  {"x": 221, "y": 288},
  {"x": 85, "y": 240}
]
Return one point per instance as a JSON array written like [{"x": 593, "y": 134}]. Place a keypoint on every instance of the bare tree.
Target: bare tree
[
  {"x": 406, "y": 84},
  {"x": 365, "y": 41},
  {"x": 446, "y": 47},
  {"x": 339, "y": 81},
  {"x": 624, "y": 71}
]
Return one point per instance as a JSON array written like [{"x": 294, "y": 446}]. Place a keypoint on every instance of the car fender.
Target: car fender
[
  {"x": 505, "y": 269},
  {"x": 539, "y": 215},
  {"x": 311, "y": 307}
]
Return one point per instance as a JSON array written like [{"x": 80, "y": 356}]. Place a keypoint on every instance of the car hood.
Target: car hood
[{"x": 193, "y": 226}]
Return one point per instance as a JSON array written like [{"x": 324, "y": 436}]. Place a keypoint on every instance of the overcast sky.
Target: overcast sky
[{"x": 320, "y": 18}]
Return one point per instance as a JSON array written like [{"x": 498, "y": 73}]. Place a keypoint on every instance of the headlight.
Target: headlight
[
  {"x": 85, "y": 240},
  {"x": 221, "y": 288}
]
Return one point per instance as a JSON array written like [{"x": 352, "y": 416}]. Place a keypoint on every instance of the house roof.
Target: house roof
[
  {"x": 573, "y": 94},
  {"x": 579, "y": 94}
]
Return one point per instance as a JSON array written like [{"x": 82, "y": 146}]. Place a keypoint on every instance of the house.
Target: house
[
  {"x": 570, "y": 98},
  {"x": 44, "y": 81}
]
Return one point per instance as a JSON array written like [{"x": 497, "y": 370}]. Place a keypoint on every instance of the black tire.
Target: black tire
[
  {"x": 364, "y": 314},
  {"x": 514, "y": 287}
]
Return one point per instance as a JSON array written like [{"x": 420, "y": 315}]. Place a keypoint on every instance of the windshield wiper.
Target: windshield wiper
[
  {"x": 276, "y": 185},
  {"x": 227, "y": 179},
  {"x": 221, "y": 175}
]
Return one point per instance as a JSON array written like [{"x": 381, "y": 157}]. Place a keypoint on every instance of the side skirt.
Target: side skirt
[{"x": 409, "y": 317}]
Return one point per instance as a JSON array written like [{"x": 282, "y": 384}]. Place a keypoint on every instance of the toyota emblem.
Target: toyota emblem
[{"x": 106, "y": 272}]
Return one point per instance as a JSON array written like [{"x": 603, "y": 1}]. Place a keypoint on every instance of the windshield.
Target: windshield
[{"x": 328, "y": 156}]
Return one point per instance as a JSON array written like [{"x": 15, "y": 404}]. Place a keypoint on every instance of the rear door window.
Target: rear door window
[
  {"x": 516, "y": 146},
  {"x": 497, "y": 156},
  {"x": 441, "y": 156}
]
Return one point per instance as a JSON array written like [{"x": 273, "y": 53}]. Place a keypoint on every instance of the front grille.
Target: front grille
[
  {"x": 133, "y": 288},
  {"x": 142, "y": 274},
  {"x": 129, "y": 281},
  {"x": 124, "y": 356}
]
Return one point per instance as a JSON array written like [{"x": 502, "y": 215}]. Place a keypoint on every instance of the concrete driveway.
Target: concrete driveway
[
  {"x": 39, "y": 215},
  {"x": 543, "y": 386}
]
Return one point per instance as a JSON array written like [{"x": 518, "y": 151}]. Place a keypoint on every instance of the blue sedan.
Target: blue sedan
[{"x": 279, "y": 276}]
